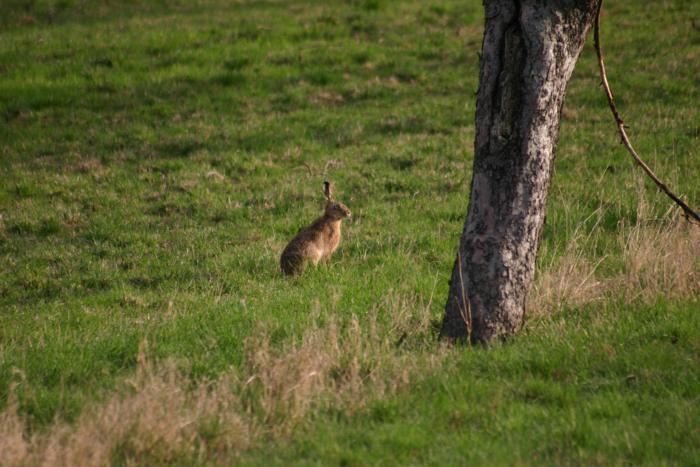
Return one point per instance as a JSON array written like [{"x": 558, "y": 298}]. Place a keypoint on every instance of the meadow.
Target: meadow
[{"x": 155, "y": 158}]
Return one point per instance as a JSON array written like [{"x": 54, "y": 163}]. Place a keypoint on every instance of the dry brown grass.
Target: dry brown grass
[
  {"x": 153, "y": 417},
  {"x": 569, "y": 281},
  {"x": 659, "y": 257},
  {"x": 160, "y": 416}
]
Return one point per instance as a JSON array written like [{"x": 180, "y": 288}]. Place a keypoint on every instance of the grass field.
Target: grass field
[{"x": 157, "y": 156}]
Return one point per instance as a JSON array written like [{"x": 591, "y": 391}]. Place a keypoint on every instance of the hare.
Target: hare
[{"x": 317, "y": 241}]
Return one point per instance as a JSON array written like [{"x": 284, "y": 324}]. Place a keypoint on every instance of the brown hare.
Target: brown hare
[{"x": 317, "y": 241}]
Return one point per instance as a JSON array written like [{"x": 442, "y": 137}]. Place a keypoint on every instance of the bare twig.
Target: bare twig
[
  {"x": 330, "y": 164},
  {"x": 308, "y": 167},
  {"x": 689, "y": 213},
  {"x": 466, "y": 309}
]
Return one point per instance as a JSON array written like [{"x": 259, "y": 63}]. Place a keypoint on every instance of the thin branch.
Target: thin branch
[
  {"x": 330, "y": 164},
  {"x": 466, "y": 309},
  {"x": 690, "y": 213},
  {"x": 308, "y": 167}
]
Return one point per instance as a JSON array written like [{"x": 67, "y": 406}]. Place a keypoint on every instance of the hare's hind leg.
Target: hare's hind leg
[{"x": 291, "y": 264}]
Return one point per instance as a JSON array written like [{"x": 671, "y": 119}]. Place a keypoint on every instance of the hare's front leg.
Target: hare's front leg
[
  {"x": 315, "y": 255},
  {"x": 327, "y": 257}
]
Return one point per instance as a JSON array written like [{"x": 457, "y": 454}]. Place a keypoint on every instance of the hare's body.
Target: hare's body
[
  {"x": 317, "y": 241},
  {"x": 313, "y": 243}
]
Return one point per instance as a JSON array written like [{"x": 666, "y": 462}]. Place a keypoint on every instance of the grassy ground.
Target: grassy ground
[{"x": 156, "y": 157}]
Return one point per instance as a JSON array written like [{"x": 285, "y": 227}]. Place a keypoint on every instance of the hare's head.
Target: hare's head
[{"x": 334, "y": 209}]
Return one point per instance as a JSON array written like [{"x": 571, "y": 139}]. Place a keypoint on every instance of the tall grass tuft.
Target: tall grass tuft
[{"x": 659, "y": 257}]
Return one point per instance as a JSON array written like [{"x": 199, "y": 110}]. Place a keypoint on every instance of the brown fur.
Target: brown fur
[{"x": 317, "y": 241}]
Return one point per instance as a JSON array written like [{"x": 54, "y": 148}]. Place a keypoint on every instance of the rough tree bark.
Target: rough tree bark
[{"x": 528, "y": 54}]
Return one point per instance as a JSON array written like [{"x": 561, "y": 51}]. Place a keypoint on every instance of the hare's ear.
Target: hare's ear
[{"x": 328, "y": 190}]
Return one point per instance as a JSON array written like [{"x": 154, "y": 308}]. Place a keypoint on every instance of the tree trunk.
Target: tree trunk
[{"x": 529, "y": 51}]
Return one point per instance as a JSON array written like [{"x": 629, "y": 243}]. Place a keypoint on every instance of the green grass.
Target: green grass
[
  {"x": 593, "y": 387},
  {"x": 112, "y": 115}
]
